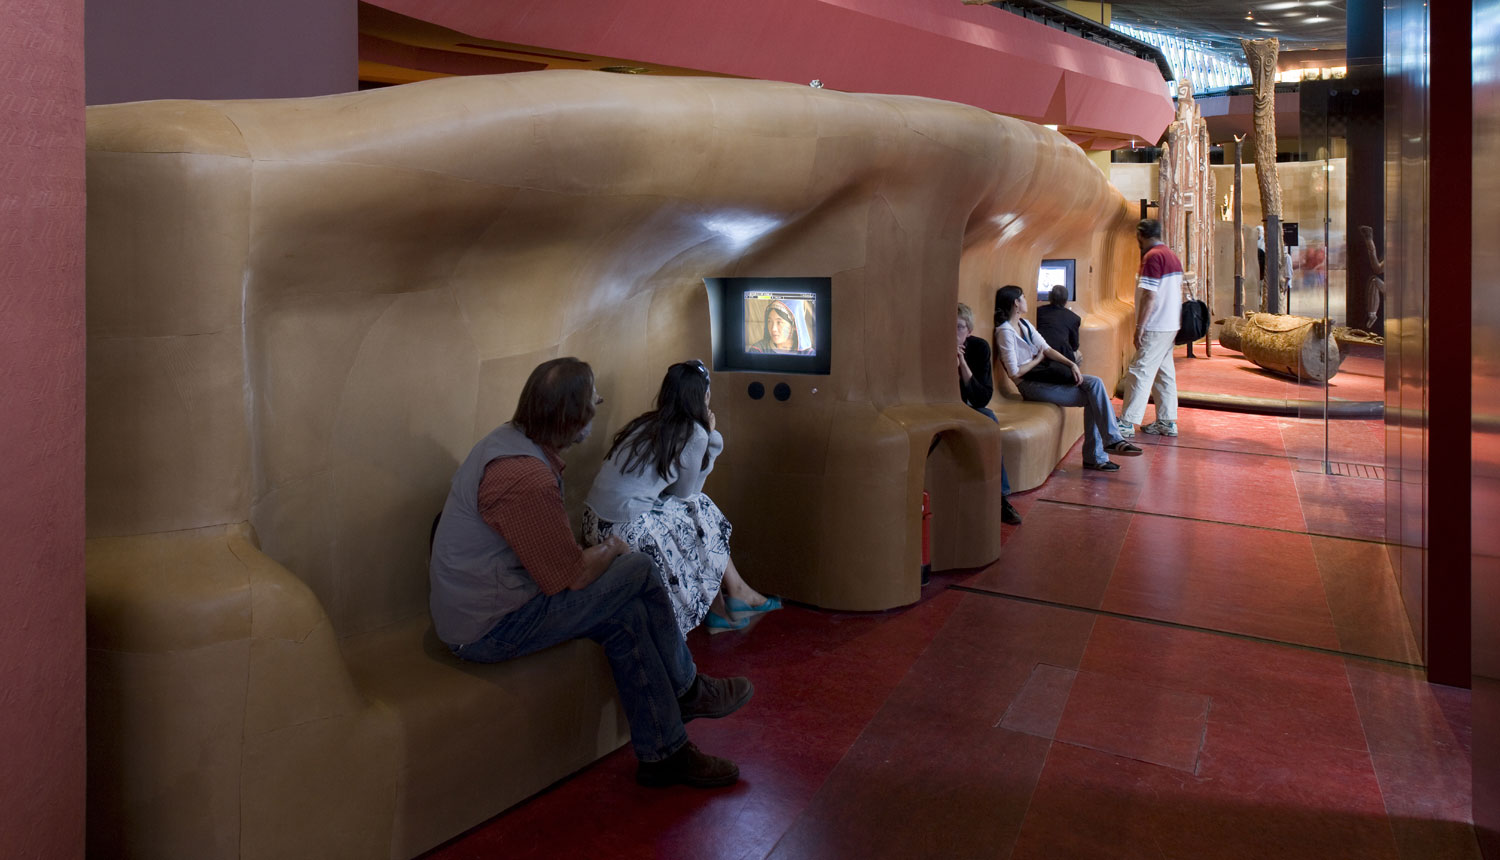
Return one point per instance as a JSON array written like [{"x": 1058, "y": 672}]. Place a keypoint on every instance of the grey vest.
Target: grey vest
[{"x": 476, "y": 577}]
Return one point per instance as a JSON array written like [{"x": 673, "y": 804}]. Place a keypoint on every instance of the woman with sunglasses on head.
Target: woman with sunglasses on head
[{"x": 649, "y": 492}]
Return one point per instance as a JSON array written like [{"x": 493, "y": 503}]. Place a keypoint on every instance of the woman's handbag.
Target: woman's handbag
[
  {"x": 1051, "y": 372},
  {"x": 1048, "y": 372}
]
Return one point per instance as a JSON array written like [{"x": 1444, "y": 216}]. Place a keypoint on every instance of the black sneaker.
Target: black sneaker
[
  {"x": 1008, "y": 513},
  {"x": 714, "y": 697},
  {"x": 688, "y": 766}
]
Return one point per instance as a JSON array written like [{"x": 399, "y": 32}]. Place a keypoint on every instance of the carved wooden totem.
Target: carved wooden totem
[
  {"x": 1187, "y": 197},
  {"x": 1261, "y": 53}
]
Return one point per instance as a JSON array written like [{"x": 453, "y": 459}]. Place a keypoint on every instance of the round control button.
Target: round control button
[
  {"x": 756, "y": 391},
  {"x": 782, "y": 391}
]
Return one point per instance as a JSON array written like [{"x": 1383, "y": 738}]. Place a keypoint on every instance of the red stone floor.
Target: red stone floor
[{"x": 1203, "y": 655}]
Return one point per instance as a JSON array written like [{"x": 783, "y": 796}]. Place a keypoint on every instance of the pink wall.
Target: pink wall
[
  {"x": 976, "y": 55},
  {"x": 191, "y": 49},
  {"x": 41, "y": 429}
]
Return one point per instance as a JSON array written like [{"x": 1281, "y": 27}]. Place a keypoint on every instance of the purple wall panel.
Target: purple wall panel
[{"x": 188, "y": 49}]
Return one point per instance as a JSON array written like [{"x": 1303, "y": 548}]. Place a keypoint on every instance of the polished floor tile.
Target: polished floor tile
[
  {"x": 1071, "y": 483},
  {"x": 1422, "y": 763},
  {"x": 985, "y": 655},
  {"x": 934, "y": 757},
  {"x": 1346, "y": 441},
  {"x": 921, "y": 790},
  {"x": 1090, "y": 804},
  {"x": 1038, "y": 707},
  {"x": 1063, "y": 553},
  {"x": 1251, "y": 683},
  {"x": 1220, "y": 431},
  {"x": 1364, "y": 599},
  {"x": 1223, "y": 577},
  {"x": 1244, "y": 489},
  {"x": 1342, "y": 507},
  {"x": 1283, "y": 771},
  {"x": 1140, "y": 721}
]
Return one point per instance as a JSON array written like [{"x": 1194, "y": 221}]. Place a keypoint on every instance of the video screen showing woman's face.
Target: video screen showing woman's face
[{"x": 780, "y": 323}]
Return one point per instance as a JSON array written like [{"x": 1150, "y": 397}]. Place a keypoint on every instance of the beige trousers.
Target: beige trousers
[{"x": 1152, "y": 372}]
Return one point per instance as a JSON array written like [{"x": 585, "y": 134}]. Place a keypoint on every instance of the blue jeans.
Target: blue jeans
[
  {"x": 1098, "y": 412},
  {"x": 627, "y": 611},
  {"x": 1004, "y": 478}
]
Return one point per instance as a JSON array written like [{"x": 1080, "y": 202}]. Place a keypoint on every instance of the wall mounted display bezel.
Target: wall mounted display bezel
[
  {"x": 726, "y": 306},
  {"x": 1053, "y": 272}
]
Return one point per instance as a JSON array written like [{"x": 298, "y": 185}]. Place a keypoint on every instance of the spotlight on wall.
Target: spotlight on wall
[{"x": 816, "y": 84}]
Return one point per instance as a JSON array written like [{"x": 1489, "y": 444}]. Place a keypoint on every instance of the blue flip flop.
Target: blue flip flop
[
  {"x": 740, "y": 607},
  {"x": 717, "y": 623}
]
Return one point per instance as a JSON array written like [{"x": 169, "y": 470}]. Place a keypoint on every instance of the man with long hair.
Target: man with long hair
[{"x": 509, "y": 579}]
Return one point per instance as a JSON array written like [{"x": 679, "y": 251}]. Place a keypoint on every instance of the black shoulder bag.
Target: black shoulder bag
[{"x": 1049, "y": 371}]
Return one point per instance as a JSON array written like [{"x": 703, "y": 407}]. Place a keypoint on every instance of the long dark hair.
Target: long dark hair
[
  {"x": 1005, "y": 302},
  {"x": 665, "y": 430}
]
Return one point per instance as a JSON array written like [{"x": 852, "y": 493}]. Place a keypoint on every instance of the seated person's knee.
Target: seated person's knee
[{"x": 635, "y": 568}]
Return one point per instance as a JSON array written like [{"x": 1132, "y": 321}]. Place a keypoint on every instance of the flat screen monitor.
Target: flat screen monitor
[
  {"x": 1054, "y": 273},
  {"x": 777, "y": 325}
]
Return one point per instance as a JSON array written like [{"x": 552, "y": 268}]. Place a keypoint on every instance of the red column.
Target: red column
[
  {"x": 1450, "y": 225},
  {"x": 41, "y": 429}
]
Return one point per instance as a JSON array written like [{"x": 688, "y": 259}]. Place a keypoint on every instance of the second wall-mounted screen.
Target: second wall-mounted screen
[{"x": 1056, "y": 273}]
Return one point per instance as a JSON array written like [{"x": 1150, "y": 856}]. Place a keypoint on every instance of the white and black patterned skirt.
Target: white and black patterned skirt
[{"x": 689, "y": 541}]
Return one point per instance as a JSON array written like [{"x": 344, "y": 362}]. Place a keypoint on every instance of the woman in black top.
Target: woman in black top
[{"x": 976, "y": 385}]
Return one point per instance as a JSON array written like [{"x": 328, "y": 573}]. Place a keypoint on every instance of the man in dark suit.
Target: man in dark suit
[{"x": 1058, "y": 325}]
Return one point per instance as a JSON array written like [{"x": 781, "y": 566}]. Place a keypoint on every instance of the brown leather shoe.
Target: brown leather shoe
[
  {"x": 688, "y": 766},
  {"x": 714, "y": 697}
]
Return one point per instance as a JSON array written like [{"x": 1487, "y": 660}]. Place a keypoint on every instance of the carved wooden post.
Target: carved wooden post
[
  {"x": 1187, "y": 198},
  {"x": 1261, "y": 53},
  {"x": 1239, "y": 228}
]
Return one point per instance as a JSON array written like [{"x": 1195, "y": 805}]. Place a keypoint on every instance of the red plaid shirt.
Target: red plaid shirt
[{"x": 520, "y": 498}]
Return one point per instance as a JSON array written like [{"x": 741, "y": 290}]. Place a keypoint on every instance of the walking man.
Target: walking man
[{"x": 1158, "y": 313}]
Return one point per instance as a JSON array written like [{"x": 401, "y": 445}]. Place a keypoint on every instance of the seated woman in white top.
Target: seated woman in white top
[
  {"x": 1022, "y": 351},
  {"x": 650, "y": 492}
]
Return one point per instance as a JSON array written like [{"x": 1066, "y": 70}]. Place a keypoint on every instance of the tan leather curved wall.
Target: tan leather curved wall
[
  {"x": 409, "y": 254},
  {"x": 302, "y": 313},
  {"x": 1059, "y": 207}
]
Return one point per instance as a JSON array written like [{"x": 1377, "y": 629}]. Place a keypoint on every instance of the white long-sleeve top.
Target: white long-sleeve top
[
  {"x": 1018, "y": 343},
  {"x": 619, "y": 496}
]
